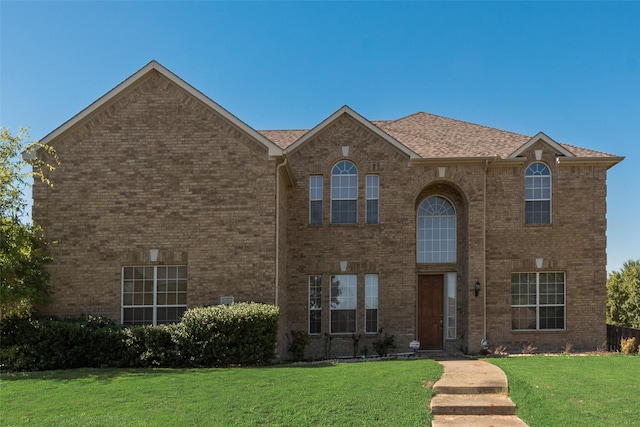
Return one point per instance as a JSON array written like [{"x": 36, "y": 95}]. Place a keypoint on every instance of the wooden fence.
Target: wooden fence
[{"x": 616, "y": 333}]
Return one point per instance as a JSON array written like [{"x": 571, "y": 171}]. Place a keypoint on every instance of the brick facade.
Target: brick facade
[{"x": 157, "y": 165}]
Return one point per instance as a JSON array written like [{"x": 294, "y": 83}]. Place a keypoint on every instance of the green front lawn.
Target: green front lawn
[
  {"x": 574, "y": 390},
  {"x": 549, "y": 391},
  {"x": 391, "y": 393}
]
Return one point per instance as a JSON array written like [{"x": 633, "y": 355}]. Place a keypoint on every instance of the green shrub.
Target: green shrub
[
  {"x": 298, "y": 341},
  {"x": 384, "y": 344},
  {"x": 243, "y": 333},
  {"x": 152, "y": 346},
  {"x": 55, "y": 343}
]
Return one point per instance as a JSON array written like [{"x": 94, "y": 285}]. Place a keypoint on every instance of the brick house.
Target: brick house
[{"x": 433, "y": 229}]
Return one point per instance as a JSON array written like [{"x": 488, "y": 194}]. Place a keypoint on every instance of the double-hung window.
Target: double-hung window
[
  {"x": 344, "y": 193},
  {"x": 537, "y": 194},
  {"x": 537, "y": 301},
  {"x": 344, "y": 298},
  {"x": 153, "y": 295},
  {"x": 315, "y": 199},
  {"x": 315, "y": 305},
  {"x": 371, "y": 303},
  {"x": 373, "y": 197}
]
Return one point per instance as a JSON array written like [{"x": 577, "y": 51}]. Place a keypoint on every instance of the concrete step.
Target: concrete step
[
  {"x": 471, "y": 377},
  {"x": 472, "y": 404},
  {"x": 477, "y": 421}
]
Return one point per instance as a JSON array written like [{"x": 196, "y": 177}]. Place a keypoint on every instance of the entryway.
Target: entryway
[{"x": 431, "y": 311}]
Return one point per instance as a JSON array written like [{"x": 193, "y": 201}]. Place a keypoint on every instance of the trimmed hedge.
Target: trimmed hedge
[{"x": 239, "y": 334}]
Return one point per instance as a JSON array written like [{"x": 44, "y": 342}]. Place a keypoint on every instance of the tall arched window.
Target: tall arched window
[
  {"x": 537, "y": 194},
  {"x": 436, "y": 236},
  {"x": 344, "y": 193}
]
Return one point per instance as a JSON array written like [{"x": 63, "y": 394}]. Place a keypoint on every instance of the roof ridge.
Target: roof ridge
[{"x": 471, "y": 123}]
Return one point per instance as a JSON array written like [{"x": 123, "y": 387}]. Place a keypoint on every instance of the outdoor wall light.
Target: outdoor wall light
[
  {"x": 153, "y": 255},
  {"x": 476, "y": 288}
]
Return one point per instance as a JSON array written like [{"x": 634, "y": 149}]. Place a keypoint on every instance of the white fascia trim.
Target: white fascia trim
[
  {"x": 366, "y": 123},
  {"x": 541, "y": 136},
  {"x": 274, "y": 150}
]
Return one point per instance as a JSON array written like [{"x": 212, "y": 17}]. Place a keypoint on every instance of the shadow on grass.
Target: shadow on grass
[{"x": 108, "y": 374}]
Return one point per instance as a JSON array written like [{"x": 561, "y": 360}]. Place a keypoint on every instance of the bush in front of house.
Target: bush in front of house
[
  {"x": 243, "y": 333},
  {"x": 56, "y": 343}
]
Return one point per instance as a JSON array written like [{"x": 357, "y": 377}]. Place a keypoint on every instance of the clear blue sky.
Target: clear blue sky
[{"x": 571, "y": 70}]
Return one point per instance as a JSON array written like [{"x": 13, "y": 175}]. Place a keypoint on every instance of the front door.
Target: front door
[{"x": 430, "y": 311}]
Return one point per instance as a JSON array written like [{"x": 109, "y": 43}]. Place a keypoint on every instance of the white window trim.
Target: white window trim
[
  {"x": 455, "y": 233},
  {"x": 155, "y": 305},
  {"x": 538, "y": 305},
  {"x": 550, "y": 199},
  {"x": 357, "y": 175},
  {"x": 367, "y": 198},
  {"x": 331, "y": 309},
  {"x": 377, "y": 298},
  {"x": 450, "y": 313},
  {"x": 319, "y": 309},
  {"x": 311, "y": 199}
]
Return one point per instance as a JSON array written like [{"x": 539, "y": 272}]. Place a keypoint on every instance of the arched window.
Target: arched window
[
  {"x": 436, "y": 237},
  {"x": 344, "y": 193},
  {"x": 537, "y": 194}
]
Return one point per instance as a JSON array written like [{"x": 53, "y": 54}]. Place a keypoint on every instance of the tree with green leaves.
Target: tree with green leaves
[
  {"x": 623, "y": 296},
  {"x": 23, "y": 256}
]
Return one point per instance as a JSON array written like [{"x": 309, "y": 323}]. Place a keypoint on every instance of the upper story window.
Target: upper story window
[
  {"x": 436, "y": 231},
  {"x": 344, "y": 193},
  {"x": 537, "y": 194},
  {"x": 373, "y": 197},
  {"x": 315, "y": 199}
]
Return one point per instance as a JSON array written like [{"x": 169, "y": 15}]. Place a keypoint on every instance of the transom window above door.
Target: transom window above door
[{"x": 436, "y": 231}]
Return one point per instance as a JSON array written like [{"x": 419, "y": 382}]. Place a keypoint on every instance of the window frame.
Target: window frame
[
  {"x": 316, "y": 188},
  {"x": 451, "y": 305},
  {"x": 536, "y": 184},
  {"x": 371, "y": 303},
  {"x": 344, "y": 316},
  {"x": 537, "y": 304},
  {"x": 128, "y": 292},
  {"x": 344, "y": 192},
  {"x": 372, "y": 198},
  {"x": 315, "y": 304},
  {"x": 436, "y": 255}
]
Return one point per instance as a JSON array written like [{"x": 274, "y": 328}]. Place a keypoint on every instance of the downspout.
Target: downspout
[{"x": 277, "y": 278}]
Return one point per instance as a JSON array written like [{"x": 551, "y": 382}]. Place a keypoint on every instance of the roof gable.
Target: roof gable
[
  {"x": 540, "y": 136},
  {"x": 273, "y": 149},
  {"x": 358, "y": 118}
]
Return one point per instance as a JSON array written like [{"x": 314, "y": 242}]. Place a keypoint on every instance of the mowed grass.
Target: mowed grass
[
  {"x": 574, "y": 390},
  {"x": 387, "y": 393}
]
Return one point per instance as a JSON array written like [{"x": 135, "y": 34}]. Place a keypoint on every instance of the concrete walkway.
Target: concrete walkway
[{"x": 473, "y": 393}]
